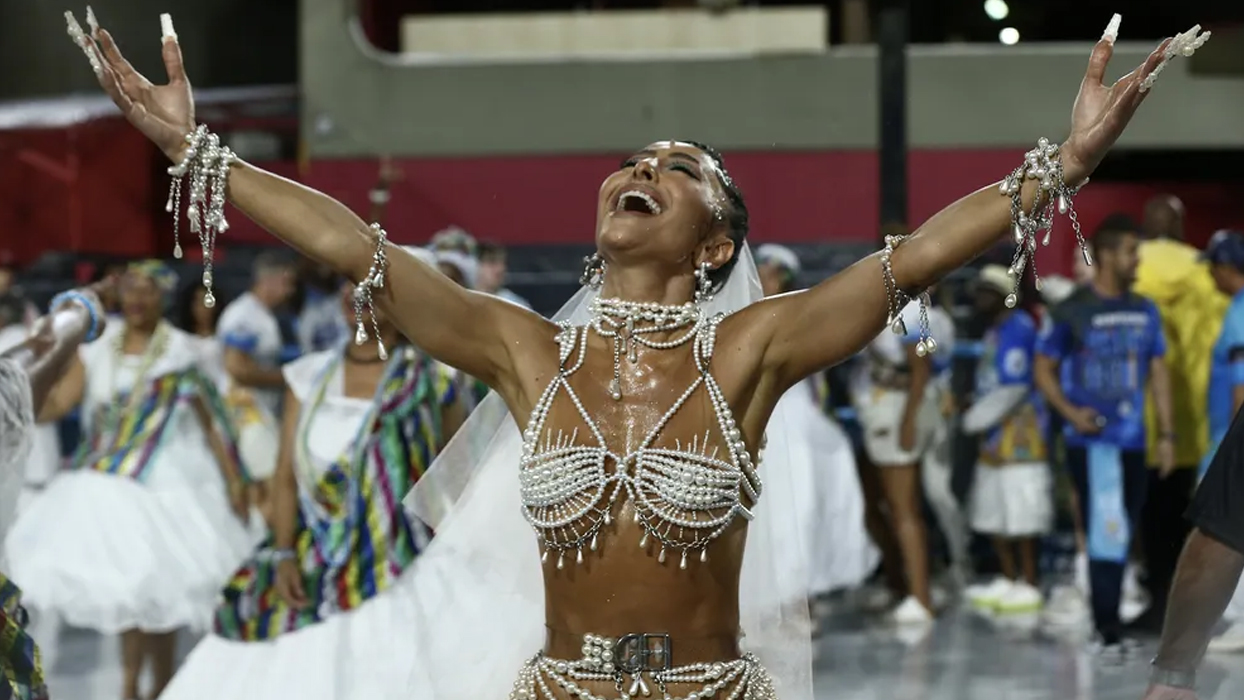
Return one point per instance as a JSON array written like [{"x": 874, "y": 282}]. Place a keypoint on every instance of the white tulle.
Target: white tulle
[
  {"x": 363, "y": 654},
  {"x": 480, "y": 597}
]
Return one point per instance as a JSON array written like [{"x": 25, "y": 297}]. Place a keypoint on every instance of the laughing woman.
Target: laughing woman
[
  {"x": 137, "y": 538},
  {"x": 322, "y": 609}
]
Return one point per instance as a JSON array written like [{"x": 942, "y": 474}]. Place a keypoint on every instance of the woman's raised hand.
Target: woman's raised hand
[
  {"x": 163, "y": 113},
  {"x": 1101, "y": 112}
]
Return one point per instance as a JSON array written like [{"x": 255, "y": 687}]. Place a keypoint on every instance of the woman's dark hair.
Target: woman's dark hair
[
  {"x": 183, "y": 312},
  {"x": 737, "y": 221}
]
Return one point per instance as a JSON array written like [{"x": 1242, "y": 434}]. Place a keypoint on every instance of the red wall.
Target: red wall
[
  {"x": 114, "y": 203},
  {"x": 91, "y": 188}
]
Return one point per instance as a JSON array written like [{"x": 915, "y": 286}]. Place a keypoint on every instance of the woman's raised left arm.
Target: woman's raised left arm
[{"x": 832, "y": 321}]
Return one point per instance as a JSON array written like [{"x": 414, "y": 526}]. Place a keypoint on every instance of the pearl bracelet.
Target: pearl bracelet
[
  {"x": 365, "y": 293},
  {"x": 1043, "y": 165},
  {"x": 207, "y": 163}
]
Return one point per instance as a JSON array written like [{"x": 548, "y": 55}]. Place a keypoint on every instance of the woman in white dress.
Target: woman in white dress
[
  {"x": 138, "y": 537},
  {"x": 322, "y": 610},
  {"x": 44, "y": 458},
  {"x": 841, "y": 554}
]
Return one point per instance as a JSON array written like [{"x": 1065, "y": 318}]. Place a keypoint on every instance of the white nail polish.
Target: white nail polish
[
  {"x": 1112, "y": 29},
  {"x": 91, "y": 21},
  {"x": 166, "y": 27}
]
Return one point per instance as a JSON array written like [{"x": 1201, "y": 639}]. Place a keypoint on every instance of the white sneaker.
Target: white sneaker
[
  {"x": 911, "y": 612},
  {"x": 1135, "y": 600},
  {"x": 986, "y": 596},
  {"x": 875, "y": 598},
  {"x": 1111, "y": 654},
  {"x": 1067, "y": 607},
  {"x": 1020, "y": 598},
  {"x": 1082, "y": 574},
  {"x": 1229, "y": 642}
]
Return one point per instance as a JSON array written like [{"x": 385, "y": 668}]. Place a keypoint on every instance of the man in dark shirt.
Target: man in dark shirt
[
  {"x": 1209, "y": 571},
  {"x": 1095, "y": 360}
]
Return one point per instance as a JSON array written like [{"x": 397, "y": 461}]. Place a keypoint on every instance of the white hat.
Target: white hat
[
  {"x": 997, "y": 278},
  {"x": 779, "y": 255},
  {"x": 1055, "y": 288},
  {"x": 467, "y": 266}
]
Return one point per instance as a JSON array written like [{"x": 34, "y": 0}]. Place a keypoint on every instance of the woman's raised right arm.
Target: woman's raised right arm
[{"x": 459, "y": 327}]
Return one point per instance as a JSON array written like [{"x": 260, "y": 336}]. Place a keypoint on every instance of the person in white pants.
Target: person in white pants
[{"x": 1011, "y": 493}]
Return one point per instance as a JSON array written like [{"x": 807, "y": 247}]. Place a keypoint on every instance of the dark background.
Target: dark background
[{"x": 243, "y": 42}]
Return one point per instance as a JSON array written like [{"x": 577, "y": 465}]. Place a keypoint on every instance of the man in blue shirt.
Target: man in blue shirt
[
  {"x": 1225, "y": 255},
  {"x": 1096, "y": 358}
]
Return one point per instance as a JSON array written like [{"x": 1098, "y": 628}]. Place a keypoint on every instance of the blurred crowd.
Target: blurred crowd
[{"x": 1137, "y": 363}]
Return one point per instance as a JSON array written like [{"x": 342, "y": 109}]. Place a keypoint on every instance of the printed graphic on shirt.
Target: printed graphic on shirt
[
  {"x": 1106, "y": 347},
  {"x": 1007, "y": 361}
]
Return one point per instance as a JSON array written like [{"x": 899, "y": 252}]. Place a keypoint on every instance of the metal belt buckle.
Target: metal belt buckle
[{"x": 639, "y": 653}]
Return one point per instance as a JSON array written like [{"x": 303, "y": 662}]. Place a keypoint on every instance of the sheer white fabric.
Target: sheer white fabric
[
  {"x": 16, "y": 430},
  {"x": 830, "y": 505},
  {"x": 481, "y": 597}
]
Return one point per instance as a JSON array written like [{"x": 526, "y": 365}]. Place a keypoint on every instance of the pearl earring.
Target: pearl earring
[
  {"x": 704, "y": 286},
  {"x": 593, "y": 271}
]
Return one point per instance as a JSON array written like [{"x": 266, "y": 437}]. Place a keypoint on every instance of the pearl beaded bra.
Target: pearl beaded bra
[{"x": 684, "y": 497}]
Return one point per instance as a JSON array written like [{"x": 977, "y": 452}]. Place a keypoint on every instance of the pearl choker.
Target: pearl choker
[{"x": 627, "y": 322}]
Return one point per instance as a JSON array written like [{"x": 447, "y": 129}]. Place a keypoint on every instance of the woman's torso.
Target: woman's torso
[
  {"x": 622, "y": 587},
  {"x": 118, "y": 390},
  {"x": 330, "y": 424}
]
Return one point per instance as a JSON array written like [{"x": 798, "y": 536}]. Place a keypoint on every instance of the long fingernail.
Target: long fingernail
[
  {"x": 1112, "y": 29},
  {"x": 166, "y": 28},
  {"x": 91, "y": 22},
  {"x": 79, "y": 38}
]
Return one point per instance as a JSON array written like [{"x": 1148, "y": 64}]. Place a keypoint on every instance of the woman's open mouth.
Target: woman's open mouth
[{"x": 637, "y": 202}]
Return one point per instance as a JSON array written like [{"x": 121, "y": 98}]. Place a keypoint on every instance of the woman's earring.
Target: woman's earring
[
  {"x": 703, "y": 285},
  {"x": 593, "y": 271}
]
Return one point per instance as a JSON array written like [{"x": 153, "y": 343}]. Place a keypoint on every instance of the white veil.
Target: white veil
[{"x": 479, "y": 585}]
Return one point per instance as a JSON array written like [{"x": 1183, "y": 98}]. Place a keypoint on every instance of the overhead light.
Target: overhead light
[
  {"x": 1009, "y": 36},
  {"x": 997, "y": 9}
]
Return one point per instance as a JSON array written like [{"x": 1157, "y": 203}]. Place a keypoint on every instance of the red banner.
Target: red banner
[{"x": 99, "y": 187}]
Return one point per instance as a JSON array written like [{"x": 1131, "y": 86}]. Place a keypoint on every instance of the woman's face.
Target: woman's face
[
  {"x": 142, "y": 302},
  {"x": 663, "y": 203}
]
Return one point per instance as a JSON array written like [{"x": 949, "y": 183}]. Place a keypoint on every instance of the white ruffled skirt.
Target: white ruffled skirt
[
  {"x": 364, "y": 654},
  {"x": 110, "y": 554}
]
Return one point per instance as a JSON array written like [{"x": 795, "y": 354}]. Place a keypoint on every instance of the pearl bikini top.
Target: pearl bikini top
[{"x": 684, "y": 497}]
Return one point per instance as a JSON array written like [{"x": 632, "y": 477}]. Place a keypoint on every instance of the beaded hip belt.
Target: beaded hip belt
[{"x": 640, "y": 665}]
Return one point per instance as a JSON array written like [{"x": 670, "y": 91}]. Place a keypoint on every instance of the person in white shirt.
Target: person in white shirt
[
  {"x": 492, "y": 269},
  {"x": 321, "y": 324},
  {"x": 900, "y": 399},
  {"x": 251, "y": 336}
]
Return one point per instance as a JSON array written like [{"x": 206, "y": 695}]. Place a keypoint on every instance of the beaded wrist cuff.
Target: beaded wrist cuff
[
  {"x": 1043, "y": 165},
  {"x": 206, "y": 162}
]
